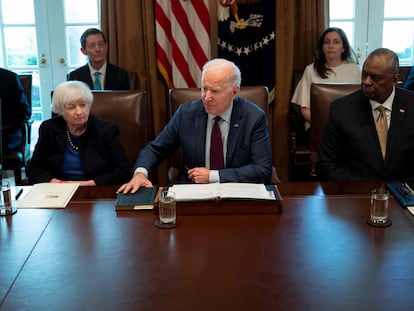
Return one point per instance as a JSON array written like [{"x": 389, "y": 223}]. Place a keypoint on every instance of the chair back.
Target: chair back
[
  {"x": 256, "y": 94},
  {"x": 322, "y": 95},
  {"x": 128, "y": 110},
  {"x": 133, "y": 80},
  {"x": 26, "y": 81}
]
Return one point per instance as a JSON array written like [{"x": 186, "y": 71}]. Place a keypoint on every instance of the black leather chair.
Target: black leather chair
[
  {"x": 322, "y": 95},
  {"x": 128, "y": 110},
  {"x": 177, "y": 96},
  {"x": 18, "y": 159}
]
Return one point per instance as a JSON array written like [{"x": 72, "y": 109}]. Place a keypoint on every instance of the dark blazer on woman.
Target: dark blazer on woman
[
  {"x": 350, "y": 149},
  {"x": 249, "y": 156},
  {"x": 116, "y": 78},
  {"x": 102, "y": 157}
]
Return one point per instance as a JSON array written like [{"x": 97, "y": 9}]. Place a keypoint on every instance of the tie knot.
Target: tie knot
[
  {"x": 381, "y": 109},
  {"x": 97, "y": 73},
  {"x": 217, "y": 120}
]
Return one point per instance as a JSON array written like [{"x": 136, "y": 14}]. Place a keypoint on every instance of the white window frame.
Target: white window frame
[{"x": 368, "y": 28}]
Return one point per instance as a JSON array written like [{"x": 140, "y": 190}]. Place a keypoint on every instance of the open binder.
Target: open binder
[{"x": 226, "y": 198}]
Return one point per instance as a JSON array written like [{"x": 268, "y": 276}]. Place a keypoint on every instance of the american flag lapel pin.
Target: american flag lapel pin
[
  {"x": 402, "y": 110},
  {"x": 236, "y": 125}
]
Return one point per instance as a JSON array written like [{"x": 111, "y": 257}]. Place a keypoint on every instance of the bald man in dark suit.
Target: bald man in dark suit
[{"x": 350, "y": 148}]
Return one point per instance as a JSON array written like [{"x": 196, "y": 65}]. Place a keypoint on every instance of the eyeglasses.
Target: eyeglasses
[{"x": 94, "y": 45}]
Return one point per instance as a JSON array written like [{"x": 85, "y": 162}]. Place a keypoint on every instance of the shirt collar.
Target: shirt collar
[
  {"x": 102, "y": 70},
  {"x": 226, "y": 115},
  {"x": 387, "y": 103}
]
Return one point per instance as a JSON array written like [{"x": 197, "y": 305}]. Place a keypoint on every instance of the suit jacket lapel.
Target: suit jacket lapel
[
  {"x": 108, "y": 84},
  {"x": 200, "y": 134},
  {"x": 396, "y": 125},
  {"x": 367, "y": 124},
  {"x": 234, "y": 132}
]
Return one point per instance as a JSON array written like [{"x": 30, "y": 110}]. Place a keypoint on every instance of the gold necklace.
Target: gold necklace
[{"x": 74, "y": 147}]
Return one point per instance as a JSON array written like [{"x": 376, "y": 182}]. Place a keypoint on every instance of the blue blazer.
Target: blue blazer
[
  {"x": 248, "y": 159},
  {"x": 102, "y": 157},
  {"x": 350, "y": 149},
  {"x": 409, "y": 83},
  {"x": 116, "y": 78}
]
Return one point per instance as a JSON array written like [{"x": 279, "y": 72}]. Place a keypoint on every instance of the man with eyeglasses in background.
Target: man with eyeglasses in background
[{"x": 98, "y": 73}]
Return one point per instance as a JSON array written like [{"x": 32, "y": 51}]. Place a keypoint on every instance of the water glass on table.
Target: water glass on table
[
  {"x": 167, "y": 211},
  {"x": 379, "y": 208},
  {"x": 6, "y": 207}
]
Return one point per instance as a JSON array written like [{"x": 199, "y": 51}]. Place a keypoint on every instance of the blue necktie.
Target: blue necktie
[
  {"x": 97, "y": 83},
  {"x": 216, "y": 146}
]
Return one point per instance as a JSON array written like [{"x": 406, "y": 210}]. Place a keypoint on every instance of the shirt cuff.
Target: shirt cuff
[
  {"x": 214, "y": 176},
  {"x": 141, "y": 170}
]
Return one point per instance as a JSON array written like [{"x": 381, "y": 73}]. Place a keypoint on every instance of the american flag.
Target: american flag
[{"x": 183, "y": 40}]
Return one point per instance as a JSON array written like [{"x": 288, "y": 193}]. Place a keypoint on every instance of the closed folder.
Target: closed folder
[
  {"x": 403, "y": 192},
  {"x": 143, "y": 199}
]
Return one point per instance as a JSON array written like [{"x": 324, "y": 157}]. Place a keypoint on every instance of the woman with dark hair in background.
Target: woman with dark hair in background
[{"x": 335, "y": 61}]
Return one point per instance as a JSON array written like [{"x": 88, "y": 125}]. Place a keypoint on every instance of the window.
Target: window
[
  {"x": 370, "y": 24},
  {"x": 42, "y": 38}
]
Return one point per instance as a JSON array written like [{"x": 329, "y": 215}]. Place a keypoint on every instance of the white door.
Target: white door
[{"x": 42, "y": 38}]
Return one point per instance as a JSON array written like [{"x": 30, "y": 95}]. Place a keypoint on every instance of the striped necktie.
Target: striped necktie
[{"x": 382, "y": 128}]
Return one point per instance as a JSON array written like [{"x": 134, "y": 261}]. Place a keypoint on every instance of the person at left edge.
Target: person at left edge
[
  {"x": 244, "y": 130},
  {"x": 14, "y": 109},
  {"x": 76, "y": 146},
  {"x": 94, "y": 45}
]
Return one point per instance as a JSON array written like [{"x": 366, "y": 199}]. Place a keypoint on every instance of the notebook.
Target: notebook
[
  {"x": 48, "y": 195},
  {"x": 143, "y": 199}
]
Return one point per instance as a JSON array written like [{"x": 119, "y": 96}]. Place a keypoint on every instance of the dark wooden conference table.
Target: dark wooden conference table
[{"x": 319, "y": 254}]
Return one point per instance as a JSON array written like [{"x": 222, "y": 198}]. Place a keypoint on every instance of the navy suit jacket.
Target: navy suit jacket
[
  {"x": 14, "y": 109},
  {"x": 101, "y": 155},
  {"x": 409, "y": 83},
  {"x": 248, "y": 158},
  {"x": 350, "y": 149},
  {"x": 116, "y": 78}
]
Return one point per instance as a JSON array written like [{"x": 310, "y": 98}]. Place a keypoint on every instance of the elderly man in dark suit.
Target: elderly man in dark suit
[
  {"x": 99, "y": 74},
  {"x": 245, "y": 153},
  {"x": 350, "y": 148},
  {"x": 14, "y": 109}
]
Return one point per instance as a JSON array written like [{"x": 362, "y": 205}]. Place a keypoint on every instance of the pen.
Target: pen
[{"x": 19, "y": 194}]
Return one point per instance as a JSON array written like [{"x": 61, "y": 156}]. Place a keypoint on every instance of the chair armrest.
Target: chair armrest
[
  {"x": 26, "y": 130},
  {"x": 173, "y": 174}
]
